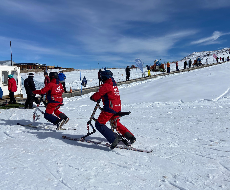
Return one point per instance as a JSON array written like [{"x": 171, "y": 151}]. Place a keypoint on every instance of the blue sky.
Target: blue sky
[{"x": 113, "y": 33}]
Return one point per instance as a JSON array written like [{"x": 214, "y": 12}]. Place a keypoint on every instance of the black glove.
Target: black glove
[
  {"x": 95, "y": 100},
  {"x": 91, "y": 98}
]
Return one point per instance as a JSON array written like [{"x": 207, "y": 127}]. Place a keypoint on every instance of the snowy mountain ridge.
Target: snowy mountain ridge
[{"x": 208, "y": 54}]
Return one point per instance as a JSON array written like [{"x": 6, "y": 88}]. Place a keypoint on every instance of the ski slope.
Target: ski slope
[{"x": 183, "y": 118}]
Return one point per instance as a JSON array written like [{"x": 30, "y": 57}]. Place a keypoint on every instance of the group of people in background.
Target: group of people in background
[
  {"x": 30, "y": 88},
  {"x": 222, "y": 59},
  {"x": 157, "y": 66}
]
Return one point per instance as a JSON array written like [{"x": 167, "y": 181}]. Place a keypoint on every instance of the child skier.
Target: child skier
[
  {"x": 109, "y": 94},
  {"x": 54, "y": 91}
]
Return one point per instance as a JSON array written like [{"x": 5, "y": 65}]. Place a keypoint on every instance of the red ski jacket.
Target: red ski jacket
[
  {"x": 12, "y": 86},
  {"x": 110, "y": 96},
  {"x": 53, "y": 91}
]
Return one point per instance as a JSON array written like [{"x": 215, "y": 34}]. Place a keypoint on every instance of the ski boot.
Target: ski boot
[
  {"x": 115, "y": 142},
  {"x": 130, "y": 137},
  {"x": 60, "y": 123}
]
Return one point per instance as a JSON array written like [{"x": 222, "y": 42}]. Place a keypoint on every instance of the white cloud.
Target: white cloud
[
  {"x": 210, "y": 40},
  {"x": 129, "y": 45}
]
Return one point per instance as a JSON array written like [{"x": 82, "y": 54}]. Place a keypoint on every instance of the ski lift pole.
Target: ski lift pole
[{"x": 90, "y": 120}]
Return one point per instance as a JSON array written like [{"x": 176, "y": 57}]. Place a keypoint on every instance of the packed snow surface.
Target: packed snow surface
[{"x": 184, "y": 118}]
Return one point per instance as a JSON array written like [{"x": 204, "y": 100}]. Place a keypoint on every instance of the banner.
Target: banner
[
  {"x": 139, "y": 64},
  {"x": 214, "y": 55}
]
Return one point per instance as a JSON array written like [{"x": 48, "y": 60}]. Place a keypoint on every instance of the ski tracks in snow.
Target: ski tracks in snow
[{"x": 227, "y": 92}]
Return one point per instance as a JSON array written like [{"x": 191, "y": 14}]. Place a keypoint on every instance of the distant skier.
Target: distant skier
[
  {"x": 54, "y": 91},
  {"x": 84, "y": 82},
  {"x": 110, "y": 96},
  {"x": 12, "y": 87}
]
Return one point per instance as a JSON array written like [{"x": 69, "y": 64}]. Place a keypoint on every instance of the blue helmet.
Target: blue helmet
[
  {"x": 106, "y": 75},
  {"x": 10, "y": 76}
]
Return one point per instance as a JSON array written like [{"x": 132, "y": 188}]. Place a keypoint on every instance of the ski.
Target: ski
[
  {"x": 107, "y": 144},
  {"x": 27, "y": 125},
  {"x": 37, "y": 127}
]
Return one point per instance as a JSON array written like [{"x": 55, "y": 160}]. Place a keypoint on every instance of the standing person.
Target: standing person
[
  {"x": 148, "y": 68},
  {"x": 168, "y": 67},
  {"x": 84, "y": 82},
  {"x": 1, "y": 93},
  {"x": 189, "y": 63},
  {"x": 199, "y": 61},
  {"x": 47, "y": 79},
  {"x": 30, "y": 87},
  {"x": 46, "y": 82},
  {"x": 110, "y": 96},
  {"x": 195, "y": 63},
  {"x": 62, "y": 78},
  {"x": 99, "y": 77},
  {"x": 177, "y": 69},
  {"x": 127, "y": 70},
  {"x": 185, "y": 64},
  {"x": 54, "y": 91},
  {"x": 12, "y": 87}
]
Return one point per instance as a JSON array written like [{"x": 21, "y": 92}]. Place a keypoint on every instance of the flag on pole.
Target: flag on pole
[{"x": 139, "y": 64}]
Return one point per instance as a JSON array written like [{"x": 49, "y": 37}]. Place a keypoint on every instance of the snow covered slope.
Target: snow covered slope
[{"x": 184, "y": 118}]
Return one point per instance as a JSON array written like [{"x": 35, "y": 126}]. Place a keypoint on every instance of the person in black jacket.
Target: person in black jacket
[
  {"x": 30, "y": 87},
  {"x": 127, "y": 70}
]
